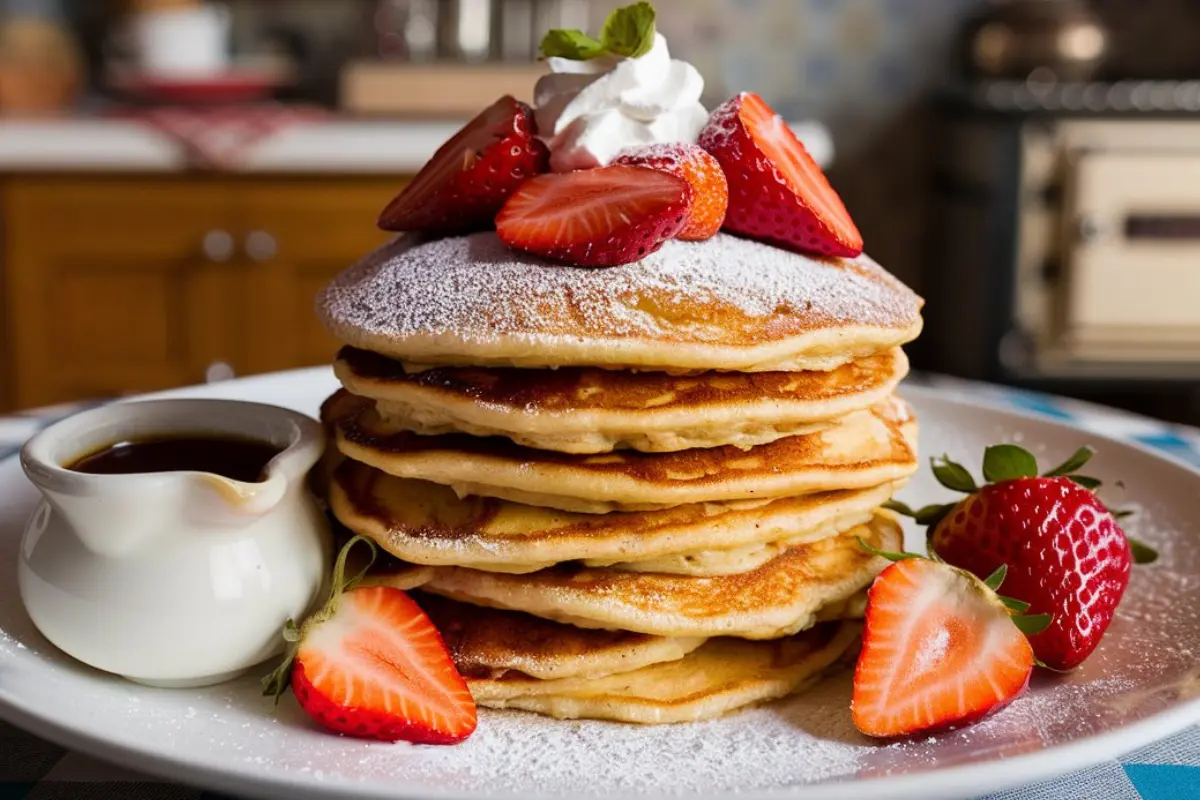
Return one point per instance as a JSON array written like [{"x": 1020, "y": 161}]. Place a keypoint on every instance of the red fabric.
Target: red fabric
[{"x": 218, "y": 137}]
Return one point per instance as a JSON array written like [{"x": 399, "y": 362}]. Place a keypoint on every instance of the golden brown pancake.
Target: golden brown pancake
[
  {"x": 863, "y": 449},
  {"x": 426, "y": 523},
  {"x": 490, "y": 644},
  {"x": 720, "y": 676},
  {"x": 589, "y": 410},
  {"x": 779, "y": 598},
  {"x": 722, "y": 304},
  {"x": 387, "y": 571}
]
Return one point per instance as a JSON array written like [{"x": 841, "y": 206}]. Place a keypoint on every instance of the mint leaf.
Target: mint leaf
[
  {"x": 574, "y": 45},
  {"x": 629, "y": 31},
  {"x": 954, "y": 477},
  {"x": 1080, "y": 457},
  {"x": 1006, "y": 462}
]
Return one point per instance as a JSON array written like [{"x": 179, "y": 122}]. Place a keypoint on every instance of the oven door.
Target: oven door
[{"x": 1132, "y": 268}]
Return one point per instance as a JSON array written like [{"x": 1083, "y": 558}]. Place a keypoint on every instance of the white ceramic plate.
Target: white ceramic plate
[{"x": 1142, "y": 684}]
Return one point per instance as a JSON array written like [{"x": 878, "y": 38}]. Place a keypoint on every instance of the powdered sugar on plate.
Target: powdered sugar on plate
[
  {"x": 475, "y": 288},
  {"x": 230, "y": 737}
]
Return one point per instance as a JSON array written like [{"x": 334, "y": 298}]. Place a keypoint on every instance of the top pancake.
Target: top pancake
[{"x": 722, "y": 304}]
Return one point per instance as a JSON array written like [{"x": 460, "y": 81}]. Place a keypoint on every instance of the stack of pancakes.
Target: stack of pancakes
[{"x": 633, "y": 493}]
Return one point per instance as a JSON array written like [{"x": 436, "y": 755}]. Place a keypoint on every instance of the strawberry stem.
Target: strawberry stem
[
  {"x": 953, "y": 476},
  {"x": 884, "y": 553},
  {"x": 1006, "y": 462},
  {"x": 994, "y": 580},
  {"x": 929, "y": 515},
  {"x": 1014, "y": 605},
  {"x": 1077, "y": 460},
  {"x": 1031, "y": 624},
  {"x": 1142, "y": 552},
  {"x": 278, "y": 680}
]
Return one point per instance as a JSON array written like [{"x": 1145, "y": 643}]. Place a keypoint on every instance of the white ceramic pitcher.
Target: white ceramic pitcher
[{"x": 173, "y": 578}]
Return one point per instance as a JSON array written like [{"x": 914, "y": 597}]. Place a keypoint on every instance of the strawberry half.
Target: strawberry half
[
  {"x": 468, "y": 179},
  {"x": 940, "y": 650},
  {"x": 600, "y": 217},
  {"x": 1065, "y": 554},
  {"x": 777, "y": 193},
  {"x": 371, "y": 664},
  {"x": 710, "y": 190}
]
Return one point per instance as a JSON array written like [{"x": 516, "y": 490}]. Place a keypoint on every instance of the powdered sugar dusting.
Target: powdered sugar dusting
[{"x": 474, "y": 288}]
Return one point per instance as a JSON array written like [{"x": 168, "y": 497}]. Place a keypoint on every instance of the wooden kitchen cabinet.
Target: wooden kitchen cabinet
[
  {"x": 298, "y": 239},
  {"x": 118, "y": 285}
]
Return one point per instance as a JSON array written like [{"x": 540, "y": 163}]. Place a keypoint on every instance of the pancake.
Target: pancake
[
  {"x": 426, "y": 523},
  {"x": 722, "y": 675},
  {"x": 397, "y": 575},
  {"x": 779, "y": 598},
  {"x": 588, "y": 410},
  {"x": 722, "y": 304},
  {"x": 490, "y": 644},
  {"x": 863, "y": 449}
]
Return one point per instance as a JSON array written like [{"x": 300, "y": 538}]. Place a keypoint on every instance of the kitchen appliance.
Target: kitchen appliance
[
  {"x": 1065, "y": 237},
  {"x": 1060, "y": 39}
]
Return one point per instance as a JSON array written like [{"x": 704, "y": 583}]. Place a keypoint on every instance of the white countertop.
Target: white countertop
[{"x": 333, "y": 146}]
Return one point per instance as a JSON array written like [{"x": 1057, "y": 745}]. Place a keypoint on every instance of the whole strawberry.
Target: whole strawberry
[
  {"x": 469, "y": 178},
  {"x": 1065, "y": 554}
]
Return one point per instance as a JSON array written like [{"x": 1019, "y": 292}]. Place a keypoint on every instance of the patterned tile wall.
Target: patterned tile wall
[{"x": 862, "y": 67}]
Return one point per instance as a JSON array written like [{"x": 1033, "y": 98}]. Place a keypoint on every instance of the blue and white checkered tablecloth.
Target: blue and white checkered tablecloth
[{"x": 1168, "y": 770}]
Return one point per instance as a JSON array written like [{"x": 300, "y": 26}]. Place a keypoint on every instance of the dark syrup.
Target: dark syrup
[{"x": 238, "y": 459}]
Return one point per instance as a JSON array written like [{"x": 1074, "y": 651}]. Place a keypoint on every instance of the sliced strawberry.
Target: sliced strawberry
[
  {"x": 710, "y": 190},
  {"x": 940, "y": 650},
  {"x": 371, "y": 664},
  {"x": 468, "y": 179},
  {"x": 777, "y": 193},
  {"x": 597, "y": 217}
]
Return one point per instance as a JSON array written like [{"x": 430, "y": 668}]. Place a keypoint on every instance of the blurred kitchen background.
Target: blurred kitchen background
[{"x": 177, "y": 178}]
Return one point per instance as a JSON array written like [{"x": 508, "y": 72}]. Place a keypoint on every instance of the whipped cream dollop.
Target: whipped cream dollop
[{"x": 589, "y": 111}]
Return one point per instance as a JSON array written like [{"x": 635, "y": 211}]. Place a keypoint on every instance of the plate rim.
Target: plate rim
[{"x": 998, "y": 774}]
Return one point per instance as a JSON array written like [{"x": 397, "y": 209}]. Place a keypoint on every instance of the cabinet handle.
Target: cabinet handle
[
  {"x": 1089, "y": 229},
  {"x": 219, "y": 371},
  {"x": 217, "y": 245},
  {"x": 261, "y": 246}
]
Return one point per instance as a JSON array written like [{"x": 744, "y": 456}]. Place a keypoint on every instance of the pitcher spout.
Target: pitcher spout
[{"x": 218, "y": 500}]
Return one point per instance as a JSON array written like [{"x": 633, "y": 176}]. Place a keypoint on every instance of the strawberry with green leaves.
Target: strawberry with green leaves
[{"x": 1065, "y": 554}]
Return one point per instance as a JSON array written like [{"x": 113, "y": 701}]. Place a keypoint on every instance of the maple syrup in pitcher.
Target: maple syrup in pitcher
[{"x": 237, "y": 459}]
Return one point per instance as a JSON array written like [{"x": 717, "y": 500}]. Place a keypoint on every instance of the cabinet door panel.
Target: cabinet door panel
[
  {"x": 108, "y": 288},
  {"x": 318, "y": 227}
]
